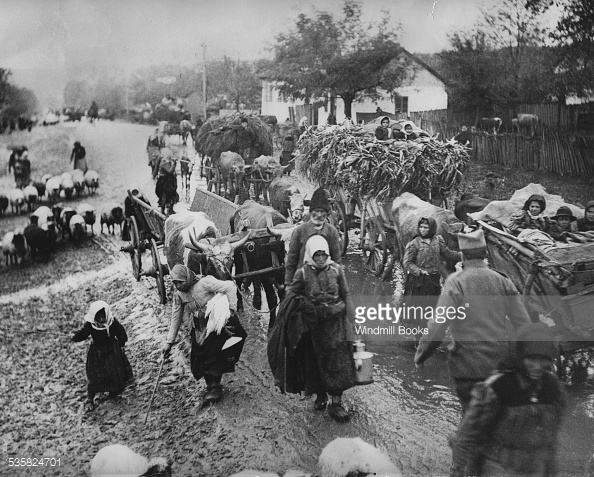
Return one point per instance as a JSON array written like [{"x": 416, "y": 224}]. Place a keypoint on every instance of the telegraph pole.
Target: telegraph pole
[{"x": 204, "y": 80}]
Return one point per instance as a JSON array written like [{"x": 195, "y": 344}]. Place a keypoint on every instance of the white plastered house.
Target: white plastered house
[{"x": 423, "y": 90}]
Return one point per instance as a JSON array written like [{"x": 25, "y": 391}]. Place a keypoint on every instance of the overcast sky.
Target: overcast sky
[{"x": 60, "y": 38}]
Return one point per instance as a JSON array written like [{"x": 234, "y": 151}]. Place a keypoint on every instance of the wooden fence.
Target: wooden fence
[{"x": 552, "y": 151}]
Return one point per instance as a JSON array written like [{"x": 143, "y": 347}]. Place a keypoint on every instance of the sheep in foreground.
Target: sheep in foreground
[
  {"x": 112, "y": 214},
  {"x": 119, "y": 460},
  {"x": 13, "y": 246},
  {"x": 353, "y": 457},
  {"x": 88, "y": 213}
]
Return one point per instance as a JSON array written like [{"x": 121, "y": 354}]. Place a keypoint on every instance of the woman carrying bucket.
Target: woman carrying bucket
[{"x": 319, "y": 359}]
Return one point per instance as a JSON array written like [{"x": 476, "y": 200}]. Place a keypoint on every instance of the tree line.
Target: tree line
[{"x": 15, "y": 102}]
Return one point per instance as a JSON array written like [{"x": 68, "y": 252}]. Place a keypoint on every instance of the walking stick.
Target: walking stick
[{"x": 154, "y": 390}]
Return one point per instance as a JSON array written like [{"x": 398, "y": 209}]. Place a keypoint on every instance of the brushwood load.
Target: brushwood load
[
  {"x": 224, "y": 134},
  {"x": 351, "y": 159}
]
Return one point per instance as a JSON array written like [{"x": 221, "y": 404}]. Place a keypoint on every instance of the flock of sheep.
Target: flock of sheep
[{"x": 53, "y": 222}]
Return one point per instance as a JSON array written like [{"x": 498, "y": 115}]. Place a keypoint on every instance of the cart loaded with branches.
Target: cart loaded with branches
[{"x": 366, "y": 175}]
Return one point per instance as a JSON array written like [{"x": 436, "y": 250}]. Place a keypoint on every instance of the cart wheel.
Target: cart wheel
[
  {"x": 337, "y": 218},
  {"x": 374, "y": 247},
  {"x": 135, "y": 254},
  {"x": 160, "y": 273}
]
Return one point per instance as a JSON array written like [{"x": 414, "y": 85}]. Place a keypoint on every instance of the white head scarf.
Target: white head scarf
[
  {"x": 95, "y": 307},
  {"x": 316, "y": 243}
]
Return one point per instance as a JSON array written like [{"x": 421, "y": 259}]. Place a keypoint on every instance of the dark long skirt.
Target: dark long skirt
[
  {"x": 210, "y": 358},
  {"x": 108, "y": 368},
  {"x": 423, "y": 291},
  {"x": 324, "y": 358},
  {"x": 166, "y": 190}
]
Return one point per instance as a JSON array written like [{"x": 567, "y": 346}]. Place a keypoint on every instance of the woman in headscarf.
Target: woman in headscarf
[
  {"x": 108, "y": 369},
  {"x": 383, "y": 132},
  {"x": 422, "y": 263},
  {"x": 325, "y": 356},
  {"x": 207, "y": 358},
  {"x": 586, "y": 223},
  {"x": 531, "y": 216}
]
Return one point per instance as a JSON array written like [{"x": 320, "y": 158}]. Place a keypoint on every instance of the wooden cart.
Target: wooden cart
[
  {"x": 558, "y": 284},
  {"x": 147, "y": 232}
]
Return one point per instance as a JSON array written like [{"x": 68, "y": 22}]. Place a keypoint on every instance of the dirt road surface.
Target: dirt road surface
[{"x": 43, "y": 383}]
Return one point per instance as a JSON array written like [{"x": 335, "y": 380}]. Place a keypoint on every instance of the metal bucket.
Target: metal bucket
[{"x": 363, "y": 364}]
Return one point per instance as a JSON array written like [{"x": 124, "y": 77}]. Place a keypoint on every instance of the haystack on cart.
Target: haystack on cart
[
  {"x": 365, "y": 176},
  {"x": 219, "y": 135},
  {"x": 558, "y": 284}
]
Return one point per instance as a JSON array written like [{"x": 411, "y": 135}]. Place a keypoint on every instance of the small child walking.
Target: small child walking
[{"x": 108, "y": 368}]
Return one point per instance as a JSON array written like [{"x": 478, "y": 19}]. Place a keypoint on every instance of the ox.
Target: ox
[
  {"x": 260, "y": 254},
  {"x": 489, "y": 125},
  {"x": 407, "y": 209},
  {"x": 525, "y": 122},
  {"x": 264, "y": 169},
  {"x": 232, "y": 167},
  {"x": 191, "y": 240},
  {"x": 287, "y": 199},
  {"x": 470, "y": 203}
]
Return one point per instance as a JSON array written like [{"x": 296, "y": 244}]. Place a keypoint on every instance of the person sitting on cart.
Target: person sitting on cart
[
  {"x": 324, "y": 356},
  {"x": 383, "y": 132},
  {"x": 423, "y": 267},
  {"x": 319, "y": 208},
  {"x": 286, "y": 158},
  {"x": 586, "y": 223},
  {"x": 531, "y": 216},
  {"x": 563, "y": 223},
  {"x": 208, "y": 359},
  {"x": 166, "y": 188}
]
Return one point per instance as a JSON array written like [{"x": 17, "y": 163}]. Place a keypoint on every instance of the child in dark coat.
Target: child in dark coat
[{"x": 108, "y": 369}]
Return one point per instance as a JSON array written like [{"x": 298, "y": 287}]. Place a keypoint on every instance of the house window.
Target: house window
[{"x": 401, "y": 104}]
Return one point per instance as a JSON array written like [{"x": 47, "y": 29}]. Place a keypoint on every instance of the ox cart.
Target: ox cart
[
  {"x": 366, "y": 176},
  {"x": 557, "y": 284},
  {"x": 147, "y": 227}
]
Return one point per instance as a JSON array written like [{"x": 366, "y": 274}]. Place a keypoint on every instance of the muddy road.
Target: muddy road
[{"x": 408, "y": 414}]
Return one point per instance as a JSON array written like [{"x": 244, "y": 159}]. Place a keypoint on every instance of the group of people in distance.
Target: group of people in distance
[{"x": 563, "y": 222}]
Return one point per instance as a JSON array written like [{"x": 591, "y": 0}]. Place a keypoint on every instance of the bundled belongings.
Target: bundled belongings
[
  {"x": 355, "y": 161},
  {"x": 227, "y": 134}
]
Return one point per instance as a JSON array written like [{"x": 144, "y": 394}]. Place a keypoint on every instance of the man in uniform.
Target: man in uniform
[{"x": 480, "y": 333}]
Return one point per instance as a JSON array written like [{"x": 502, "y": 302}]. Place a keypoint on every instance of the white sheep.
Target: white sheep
[
  {"x": 92, "y": 181},
  {"x": 53, "y": 187},
  {"x": 78, "y": 177},
  {"x": 17, "y": 200},
  {"x": 353, "y": 456},
  {"x": 77, "y": 228},
  {"x": 87, "y": 211},
  {"x": 44, "y": 215},
  {"x": 67, "y": 185},
  {"x": 118, "y": 460},
  {"x": 31, "y": 196}
]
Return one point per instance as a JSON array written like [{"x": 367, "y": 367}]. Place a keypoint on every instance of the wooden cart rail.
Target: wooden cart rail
[
  {"x": 219, "y": 209},
  {"x": 154, "y": 219}
]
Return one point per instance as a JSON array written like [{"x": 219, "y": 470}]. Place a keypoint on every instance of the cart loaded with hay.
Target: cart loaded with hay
[
  {"x": 227, "y": 134},
  {"x": 366, "y": 175}
]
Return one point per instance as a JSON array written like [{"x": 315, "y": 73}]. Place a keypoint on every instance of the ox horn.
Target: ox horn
[
  {"x": 202, "y": 247},
  {"x": 240, "y": 243},
  {"x": 274, "y": 232}
]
